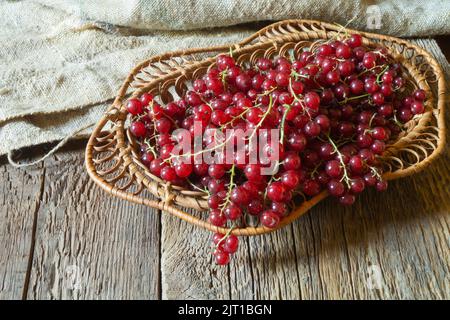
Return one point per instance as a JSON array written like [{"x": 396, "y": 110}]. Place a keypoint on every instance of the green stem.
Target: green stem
[
  {"x": 152, "y": 150},
  {"x": 341, "y": 160},
  {"x": 381, "y": 74},
  {"x": 225, "y": 236},
  {"x": 230, "y": 188},
  {"x": 264, "y": 116},
  {"x": 353, "y": 98}
]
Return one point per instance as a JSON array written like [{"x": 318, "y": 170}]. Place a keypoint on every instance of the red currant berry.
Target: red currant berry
[
  {"x": 357, "y": 185},
  {"x": 290, "y": 179},
  {"x": 417, "y": 107},
  {"x": 183, "y": 170},
  {"x": 347, "y": 199},
  {"x": 270, "y": 219},
  {"x": 420, "y": 94},
  {"x": 381, "y": 185},
  {"x": 135, "y": 107},
  {"x": 138, "y": 129},
  {"x": 335, "y": 188},
  {"x": 221, "y": 258},
  {"x": 276, "y": 191},
  {"x": 333, "y": 168},
  {"x": 355, "y": 40},
  {"x": 292, "y": 161},
  {"x": 216, "y": 171},
  {"x": 233, "y": 212},
  {"x": 356, "y": 164},
  {"x": 168, "y": 173},
  {"x": 343, "y": 51},
  {"x": 217, "y": 218},
  {"x": 231, "y": 244},
  {"x": 311, "y": 187},
  {"x": 255, "y": 207},
  {"x": 312, "y": 100},
  {"x": 146, "y": 98}
]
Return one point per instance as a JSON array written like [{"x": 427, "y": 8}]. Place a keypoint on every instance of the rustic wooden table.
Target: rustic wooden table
[{"x": 64, "y": 238}]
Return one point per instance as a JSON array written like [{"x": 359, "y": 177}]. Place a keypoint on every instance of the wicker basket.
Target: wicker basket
[{"x": 112, "y": 157}]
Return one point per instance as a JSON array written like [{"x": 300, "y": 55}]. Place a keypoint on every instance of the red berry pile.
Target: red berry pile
[{"x": 336, "y": 105}]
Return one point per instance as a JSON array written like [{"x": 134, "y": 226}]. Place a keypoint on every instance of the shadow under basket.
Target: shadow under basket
[{"x": 112, "y": 155}]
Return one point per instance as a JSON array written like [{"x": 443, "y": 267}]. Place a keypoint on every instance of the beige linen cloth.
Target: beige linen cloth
[{"x": 62, "y": 61}]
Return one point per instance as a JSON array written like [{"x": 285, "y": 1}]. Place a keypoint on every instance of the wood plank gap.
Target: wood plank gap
[
  {"x": 315, "y": 254},
  {"x": 296, "y": 261},
  {"x": 347, "y": 254},
  {"x": 159, "y": 289},
  {"x": 33, "y": 236},
  {"x": 250, "y": 264}
]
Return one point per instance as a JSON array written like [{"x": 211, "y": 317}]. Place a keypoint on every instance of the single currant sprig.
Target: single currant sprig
[
  {"x": 345, "y": 176},
  {"x": 150, "y": 147},
  {"x": 225, "y": 236}
]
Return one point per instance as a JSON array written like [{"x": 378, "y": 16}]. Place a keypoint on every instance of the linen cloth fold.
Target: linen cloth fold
[{"x": 62, "y": 61}]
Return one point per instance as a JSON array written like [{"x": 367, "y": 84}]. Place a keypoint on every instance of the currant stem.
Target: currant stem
[
  {"x": 381, "y": 74},
  {"x": 353, "y": 98},
  {"x": 341, "y": 160},
  {"x": 230, "y": 188},
  {"x": 152, "y": 150},
  {"x": 226, "y": 235},
  {"x": 199, "y": 189},
  {"x": 283, "y": 120}
]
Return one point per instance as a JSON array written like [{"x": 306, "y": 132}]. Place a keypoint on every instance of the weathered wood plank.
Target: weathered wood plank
[
  {"x": 333, "y": 252},
  {"x": 110, "y": 247},
  {"x": 186, "y": 264},
  {"x": 20, "y": 194}
]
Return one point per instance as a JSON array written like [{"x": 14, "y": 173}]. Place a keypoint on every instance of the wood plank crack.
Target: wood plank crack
[{"x": 33, "y": 235}]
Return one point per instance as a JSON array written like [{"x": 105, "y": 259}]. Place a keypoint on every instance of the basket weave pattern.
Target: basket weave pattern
[{"x": 112, "y": 154}]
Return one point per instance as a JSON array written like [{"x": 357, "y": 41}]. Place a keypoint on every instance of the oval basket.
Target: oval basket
[{"x": 112, "y": 158}]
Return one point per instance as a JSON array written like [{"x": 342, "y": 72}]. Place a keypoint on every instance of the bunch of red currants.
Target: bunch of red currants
[{"x": 336, "y": 105}]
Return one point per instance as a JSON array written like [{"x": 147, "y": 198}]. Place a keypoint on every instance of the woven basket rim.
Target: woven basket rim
[{"x": 117, "y": 114}]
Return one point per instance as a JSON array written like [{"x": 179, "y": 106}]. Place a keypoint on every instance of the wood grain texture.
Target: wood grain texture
[
  {"x": 55, "y": 222},
  {"x": 109, "y": 246},
  {"x": 332, "y": 252},
  {"x": 20, "y": 197}
]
